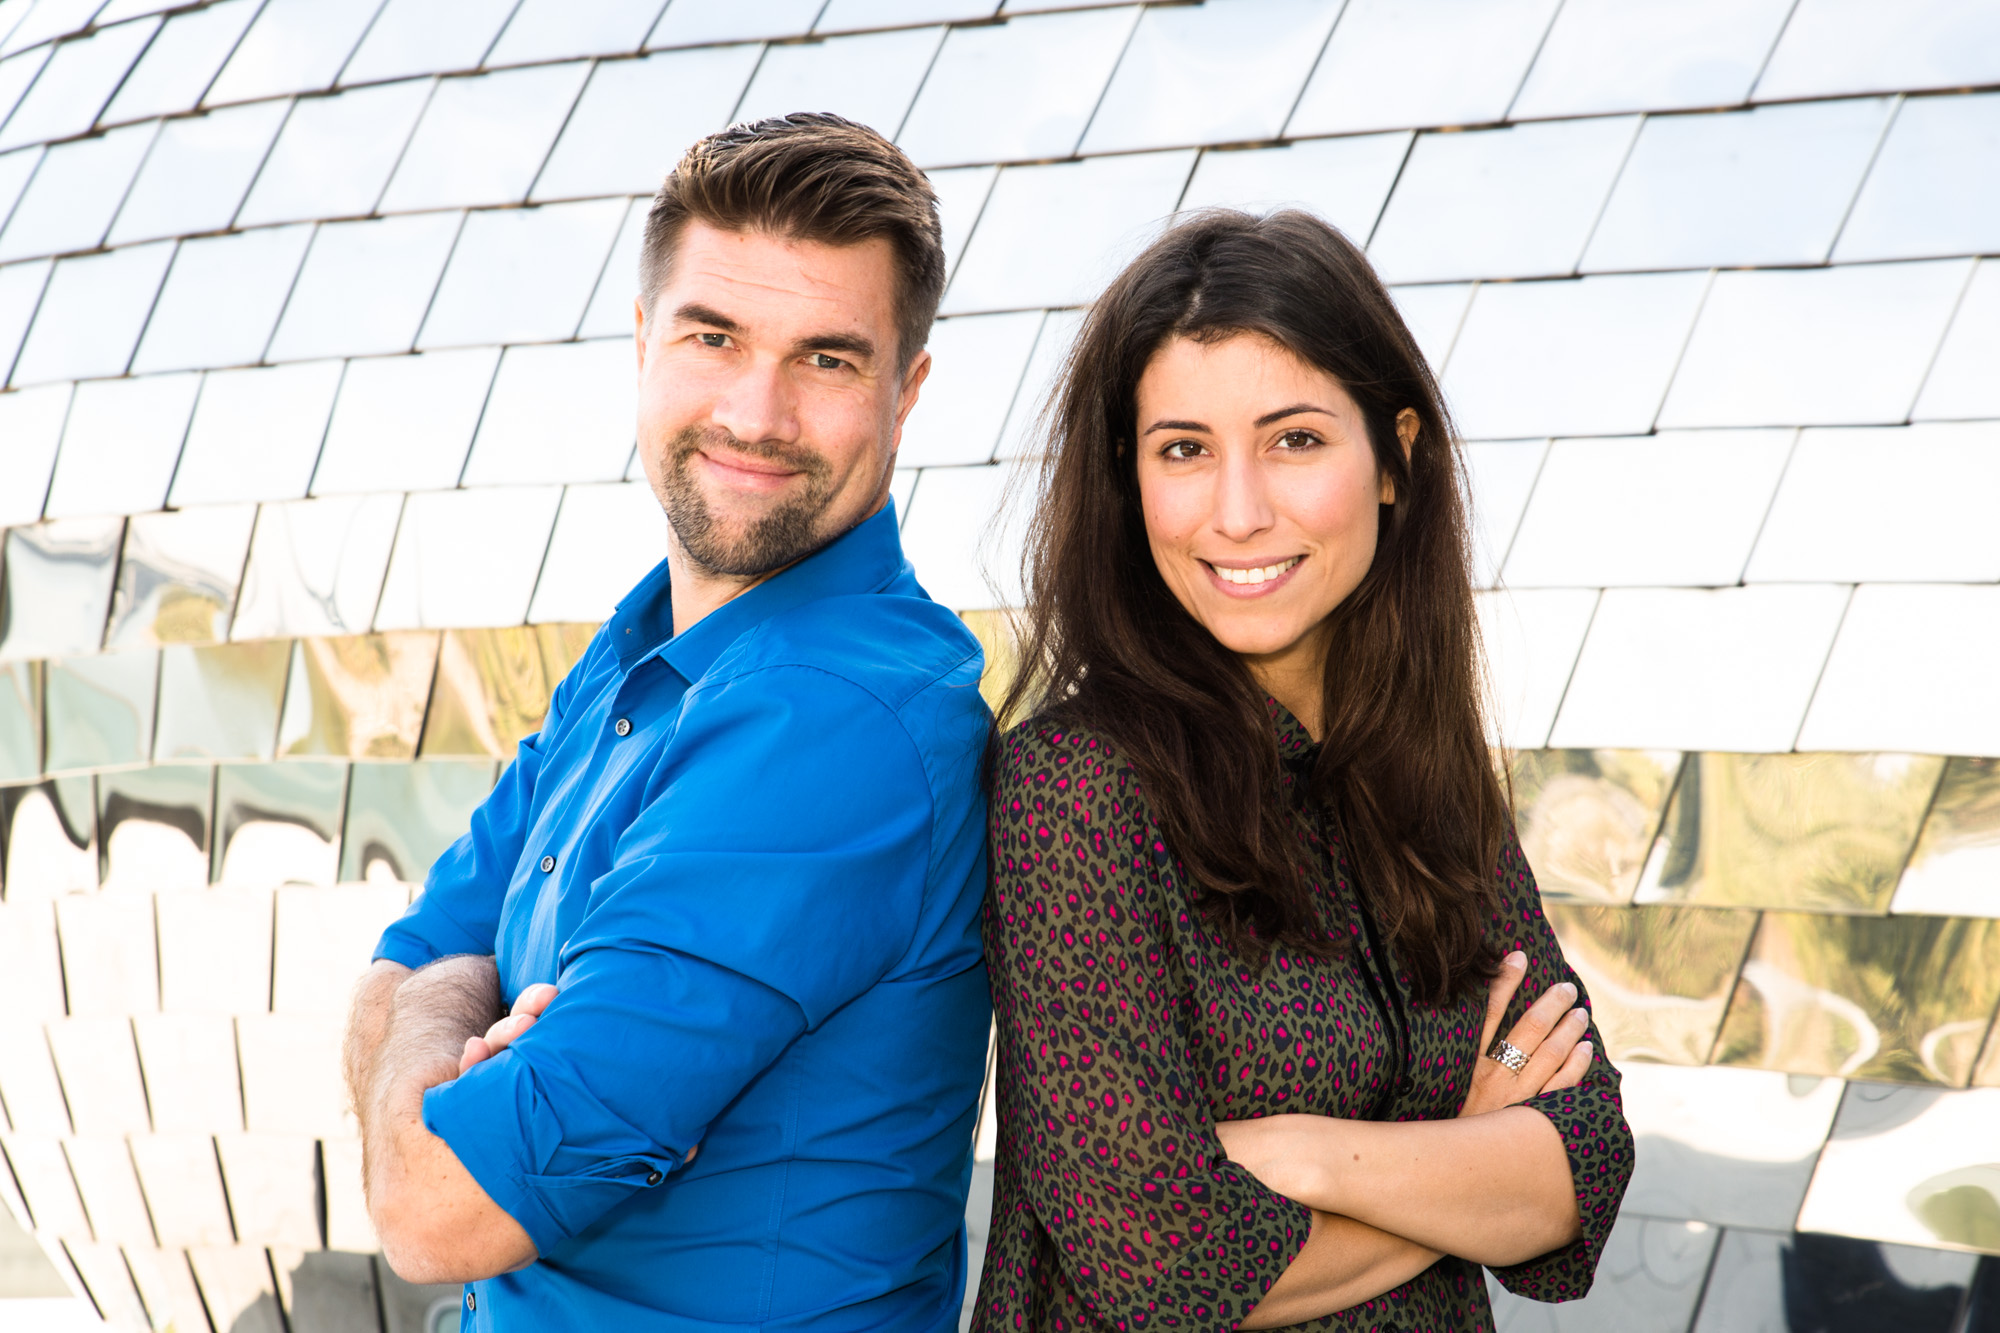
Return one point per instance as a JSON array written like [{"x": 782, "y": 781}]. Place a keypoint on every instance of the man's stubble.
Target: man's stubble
[{"x": 789, "y": 532}]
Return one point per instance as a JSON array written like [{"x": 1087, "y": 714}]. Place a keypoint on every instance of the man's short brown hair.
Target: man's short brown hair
[{"x": 809, "y": 176}]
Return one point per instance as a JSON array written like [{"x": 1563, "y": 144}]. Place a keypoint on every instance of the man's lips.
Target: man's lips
[{"x": 747, "y": 472}]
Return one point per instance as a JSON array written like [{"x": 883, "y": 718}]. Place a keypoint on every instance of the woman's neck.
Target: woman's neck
[{"x": 1296, "y": 677}]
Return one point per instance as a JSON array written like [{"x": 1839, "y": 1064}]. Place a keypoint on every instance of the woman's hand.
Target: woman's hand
[{"x": 1550, "y": 1033}]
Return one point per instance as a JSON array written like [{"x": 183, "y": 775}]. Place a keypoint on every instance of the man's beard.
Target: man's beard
[{"x": 787, "y": 533}]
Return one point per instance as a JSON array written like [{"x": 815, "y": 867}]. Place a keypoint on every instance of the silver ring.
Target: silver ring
[{"x": 1508, "y": 1054}]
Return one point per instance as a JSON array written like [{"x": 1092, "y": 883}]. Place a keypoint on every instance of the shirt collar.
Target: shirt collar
[{"x": 863, "y": 559}]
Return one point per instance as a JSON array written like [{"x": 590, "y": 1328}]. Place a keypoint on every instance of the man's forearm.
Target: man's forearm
[
  {"x": 1344, "y": 1263},
  {"x": 367, "y": 1025}
]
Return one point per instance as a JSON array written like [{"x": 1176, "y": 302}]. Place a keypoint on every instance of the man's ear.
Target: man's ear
[
  {"x": 913, "y": 382},
  {"x": 639, "y": 331}
]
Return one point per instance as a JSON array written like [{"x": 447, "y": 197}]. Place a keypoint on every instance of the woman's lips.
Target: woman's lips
[{"x": 1255, "y": 581}]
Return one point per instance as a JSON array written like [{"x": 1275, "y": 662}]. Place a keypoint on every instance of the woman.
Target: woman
[{"x": 1257, "y": 912}]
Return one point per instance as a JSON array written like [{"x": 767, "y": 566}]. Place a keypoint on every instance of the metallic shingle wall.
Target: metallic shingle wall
[{"x": 316, "y": 468}]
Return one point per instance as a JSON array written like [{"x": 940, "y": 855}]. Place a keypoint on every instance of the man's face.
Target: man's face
[{"x": 770, "y": 406}]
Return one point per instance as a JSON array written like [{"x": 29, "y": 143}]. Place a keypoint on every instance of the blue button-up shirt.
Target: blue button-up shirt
[{"x": 760, "y": 903}]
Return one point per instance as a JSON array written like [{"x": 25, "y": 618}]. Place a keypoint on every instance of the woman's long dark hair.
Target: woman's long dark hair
[{"x": 1403, "y": 766}]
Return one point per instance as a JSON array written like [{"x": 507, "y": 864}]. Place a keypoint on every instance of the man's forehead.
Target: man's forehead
[{"x": 772, "y": 276}]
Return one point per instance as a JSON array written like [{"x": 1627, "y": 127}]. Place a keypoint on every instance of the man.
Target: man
[{"x": 732, "y": 887}]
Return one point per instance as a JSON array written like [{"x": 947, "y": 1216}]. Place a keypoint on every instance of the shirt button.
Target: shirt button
[
  {"x": 623, "y": 726},
  {"x": 471, "y": 1301},
  {"x": 654, "y": 1177},
  {"x": 548, "y": 864}
]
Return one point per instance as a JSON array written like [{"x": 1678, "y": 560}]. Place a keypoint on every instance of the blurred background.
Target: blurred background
[{"x": 316, "y": 473}]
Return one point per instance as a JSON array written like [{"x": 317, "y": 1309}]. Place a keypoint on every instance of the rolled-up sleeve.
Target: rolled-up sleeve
[
  {"x": 775, "y": 873},
  {"x": 1099, "y": 1105},
  {"x": 1590, "y": 1116}
]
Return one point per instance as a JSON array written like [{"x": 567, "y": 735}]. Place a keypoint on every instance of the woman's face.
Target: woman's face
[{"x": 1259, "y": 490}]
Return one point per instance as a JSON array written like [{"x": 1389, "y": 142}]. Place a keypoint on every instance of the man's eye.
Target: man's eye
[
  {"x": 821, "y": 361},
  {"x": 713, "y": 339}
]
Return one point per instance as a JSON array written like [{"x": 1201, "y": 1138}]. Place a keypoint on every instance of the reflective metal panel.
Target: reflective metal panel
[
  {"x": 76, "y": 191},
  {"x": 164, "y": 1280},
  {"x": 1500, "y": 475},
  {"x": 1961, "y": 383},
  {"x": 977, "y": 364},
  {"x": 1473, "y": 54},
  {"x": 1262, "y": 52},
  {"x": 365, "y": 287},
  {"x": 558, "y": 29},
  {"x": 15, "y": 167},
  {"x": 1659, "y": 977},
  {"x": 91, "y": 314},
  {"x": 109, "y": 952},
  {"x": 1686, "y": 669},
  {"x": 1648, "y": 1280},
  {"x": 1646, "y": 511},
  {"x": 58, "y": 586},
  {"x": 32, "y": 957},
  {"x": 871, "y": 78},
  {"x": 18, "y": 73},
  {"x": 1769, "y": 186},
  {"x": 1924, "y": 196},
  {"x": 688, "y": 22},
  {"x": 236, "y": 1288},
  {"x": 1762, "y": 1280},
  {"x": 222, "y": 299},
  {"x": 177, "y": 582},
  {"x": 183, "y": 58},
  {"x": 198, "y": 172},
  {"x": 110, "y": 1189},
  {"x": 28, "y": 1079},
  {"x": 121, "y": 443},
  {"x": 256, "y": 434},
  {"x": 102, "y": 1267},
  {"x": 153, "y": 827},
  {"x": 1569, "y": 358},
  {"x": 1733, "y": 1146},
  {"x": 100, "y": 1073},
  {"x": 1024, "y": 433},
  {"x": 561, "y": 412},
  {"x": 563, "y": 647},
  {"x": 1851, "y": 46},
  {"x": 51, "y": 838},
  {"x": 1531, "y": 640},
  {"x": 606, "y": 538},
  {"x": 1649, "y": 55},
  {"x": 183, "y": 1187},
  {"x": 610, "y": 312},
  {"x": 1955, "y": 868},
  {"x": 1111, "y": 207},
  {"x": 1828, "y": 522},
  {"x": 1018, "y": 90},
  {"x": 46, "y": 1185},
  {"x": 220, "y": 702},
  {"x": 1906, "y": 998},
  {"x": 20, "y": 720},
  {"x": 961, "y": 194},
  {"x": 1344, "y": 180},
  {"x": 1818, "y": 832},
  {"x": 357, "y": 698},
  {"x": 401, "y": 817},
  {"x": 270, "y": 1180},
  {"x": 316, "y": 566},
  {"x": 419, "y": 36},
  {"x": 964, "y": 545},
  {"x": 491, "y": 691},
  {"x": 1434, "y": 313},
  {"x": 294, "y": 46},
  {"x": 842, "y": 15},
  {"x": 75, "y": 84},
  {"x": 521, "y": 274},
  {"x": 325, "y": 940},
  {"x": 1914, "y": 1165},
  {"x": 1839, "y": 346},
  {"x": 483, "y": 139},
  {"x": 278, "y": 823},
  {"x": 679, "y": 97},
  {"x": 215, "y": 952},
  {"x": 20, "y": 292},
  {"x": 467, "y": 558},
  {"x": 1516, "y": 202},
  {"x": 347, "y": 1224},
  {"x": 189, "y": 1060},
  {"x": 1911, "y": 671},
  {"x": 1587, "y": 817},
  {"x": 335, "y": 153},
  {"x": 405, "y": 423}
]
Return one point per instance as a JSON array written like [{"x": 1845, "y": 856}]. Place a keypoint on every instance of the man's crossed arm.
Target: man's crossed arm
[{"x": 411, "y": 1031}]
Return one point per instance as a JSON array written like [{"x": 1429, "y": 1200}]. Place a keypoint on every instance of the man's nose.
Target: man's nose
[{"x": 757, "y": 403}]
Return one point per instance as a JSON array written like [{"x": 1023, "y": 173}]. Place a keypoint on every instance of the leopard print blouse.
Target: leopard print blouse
[{"x": 1127, "y": 1030}]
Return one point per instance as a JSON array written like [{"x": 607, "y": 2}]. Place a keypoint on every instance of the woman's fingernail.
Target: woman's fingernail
[{"x": 1517, "y": 959}]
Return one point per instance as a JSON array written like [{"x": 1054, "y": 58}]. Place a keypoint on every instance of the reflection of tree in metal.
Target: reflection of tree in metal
[
  {"x": 1587, "y": 817},
  {"x": 1961, "y": 1207}
]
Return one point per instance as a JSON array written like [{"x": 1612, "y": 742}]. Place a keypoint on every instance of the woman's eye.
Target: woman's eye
[
  {"x": 1298, "y": 439},
  {"x": 821, "y": 361},
  {"x": 713, "y": 339},
  {"x": 1182, "y": 449}
]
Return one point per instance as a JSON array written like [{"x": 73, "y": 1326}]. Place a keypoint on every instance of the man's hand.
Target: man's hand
[{"x": 528, "y": 1006}]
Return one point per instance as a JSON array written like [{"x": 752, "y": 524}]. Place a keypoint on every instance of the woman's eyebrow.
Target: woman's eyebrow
[
  {"x": 1174, "y": 425},
  {"x": 1294, "y": 410}
]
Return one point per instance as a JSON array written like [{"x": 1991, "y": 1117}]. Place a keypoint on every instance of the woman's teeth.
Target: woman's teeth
[{"x": 1264, "y": 575}]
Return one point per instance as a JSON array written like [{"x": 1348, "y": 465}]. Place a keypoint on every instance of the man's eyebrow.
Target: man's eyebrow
[
  {"x": 853, "y": 344},
  {"x": 696, "y": 313}
]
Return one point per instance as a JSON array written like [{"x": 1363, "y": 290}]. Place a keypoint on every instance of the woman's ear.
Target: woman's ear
[{"x": 1407, "y": 425}]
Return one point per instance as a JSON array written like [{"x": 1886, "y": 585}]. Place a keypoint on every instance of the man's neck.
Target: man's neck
[{"x": 697, "y": 591}]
